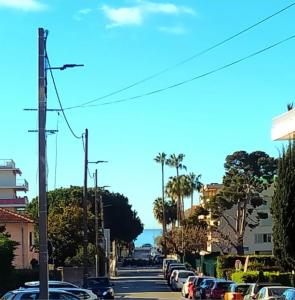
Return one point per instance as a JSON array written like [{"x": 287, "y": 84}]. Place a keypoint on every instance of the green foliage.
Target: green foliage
[
  {"x": 65, "y": 219},
  {"x": 7, "y": 248},
  {"x": 283, "y": 209},
  {"x": 253, "y": 276},
  {"x": 226, "y": 263},
  {"x": 170, "y": 210},
  {"x": 246, "y": 176},
  {"x": 77, "y": 260}
]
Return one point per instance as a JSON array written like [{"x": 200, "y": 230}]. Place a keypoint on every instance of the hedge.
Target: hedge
[
  {"x": 253, "y": 276},
  {"x": 226, "y": 264}
]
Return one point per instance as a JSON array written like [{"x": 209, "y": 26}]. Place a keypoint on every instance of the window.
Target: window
[
  {"x": 31, "y": 239},
  {"x": 261, "y": 238}
]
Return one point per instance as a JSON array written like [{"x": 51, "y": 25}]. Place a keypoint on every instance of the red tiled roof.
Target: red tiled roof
[{"x": 7, "y": 216}]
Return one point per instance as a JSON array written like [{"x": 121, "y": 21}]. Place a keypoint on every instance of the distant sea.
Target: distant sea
[{"x": 147, "y": 236}]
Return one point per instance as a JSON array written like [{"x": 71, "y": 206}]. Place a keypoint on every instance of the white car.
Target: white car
[
  {"x": 81, "y": 293},
  {"x": 51, "y": 284},
  {"x": 33, "y": 294},
  {"x": 179, "y": 279},
  {"x": 184, "y": 290},
  {"x": 272, "y": 293}
]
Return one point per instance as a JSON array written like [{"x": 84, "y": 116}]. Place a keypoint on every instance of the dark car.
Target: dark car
[
  {"x": 101, "y": 286},
  {"x": 194, "y": 287},
  {"x": 205, "y": 287}
]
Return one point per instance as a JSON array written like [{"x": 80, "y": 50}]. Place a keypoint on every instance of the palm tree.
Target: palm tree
[
  {"x": 158, "y": 210},
  {"x": 176, "y": 161},
  {"x": 195, "y": 185},
  {"x": 161, "y": 158}
]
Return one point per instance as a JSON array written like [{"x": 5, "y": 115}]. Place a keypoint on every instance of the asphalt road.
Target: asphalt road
[{"x": 139, "y": 283}]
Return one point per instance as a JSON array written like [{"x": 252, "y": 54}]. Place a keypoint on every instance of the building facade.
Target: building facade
[
  {"x": 11, "y": 186},
  {"x": 12, "y": 212},
  {"x": 257, "y": 240}
]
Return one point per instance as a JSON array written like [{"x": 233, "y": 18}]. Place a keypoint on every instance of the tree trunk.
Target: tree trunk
[{"x": 240, "y": 245}]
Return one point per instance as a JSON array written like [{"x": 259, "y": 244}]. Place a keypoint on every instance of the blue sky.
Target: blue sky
[{"x": 121, "y": 42}]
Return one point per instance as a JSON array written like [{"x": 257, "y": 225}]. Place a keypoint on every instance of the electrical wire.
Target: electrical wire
[
  {"x": 184, "y": 61},
  {"x": 59, "y": 101},
  {"x": 196, "y": 77}
]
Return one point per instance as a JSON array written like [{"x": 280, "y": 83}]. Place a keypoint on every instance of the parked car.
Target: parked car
[
  {"x": 166, "y": 262},
  {"x": 236, "y": 291},
  {"x": 33, "y": 294},
  {"x": 204, "y": 288},
  {"x": 178, "y": 267},
  {"x": 101, "y": 286},
  {"x": 51, "y": 284},
  {"x": 289, "y": 294},
  {"x": 170, "y": 268},
  {"x": 168, "y": 265},
  {"x": 272, "y": 293},
  {"x": 82, "y": 293},
  {"x": 185, "y": 287},
  {"x": 254, "y": 288},
  {"x": 180, "y": 278},
  {"x": 218, "y": 288},
  {"x": 194, "y": 288}
]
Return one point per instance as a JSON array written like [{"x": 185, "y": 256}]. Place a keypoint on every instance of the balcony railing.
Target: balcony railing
[
  {"x": 22, "y": 184},
  {"x": 7, "y": 164}
]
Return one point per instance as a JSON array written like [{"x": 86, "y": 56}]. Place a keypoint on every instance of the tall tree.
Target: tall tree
[
  {"x": 161, "y": 158},
  {"x": 283, "y": 209},
  {"x": 65, "y": 219},
  {"x": 246, "y": 176},
  {"x": 176, "y": 162},
  {"x": 170, "y": 211},
  {"x": 195, "y": 185}
]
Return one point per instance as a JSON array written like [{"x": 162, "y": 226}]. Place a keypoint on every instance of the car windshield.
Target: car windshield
[
  {"x": 98, "y": 282},
  {"x": 241, "y": 288},
  {"x": 222, "y": 285},
  {"x": 185, "y": 274},
  {"x": 276, "y": 291}
]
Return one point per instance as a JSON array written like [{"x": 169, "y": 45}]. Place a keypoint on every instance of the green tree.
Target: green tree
[
  {"x": 170, "y": 211},
  {"x": 65, "y": 217},
  {"x": 161, "y": 158},
  {"x": 7, "y": 254},
  {"x": 246, "y": 176},
  {"x": 195, "y": 185},
  {"x": 176, "y": 162},
  {"x": 283, "y": 209}
]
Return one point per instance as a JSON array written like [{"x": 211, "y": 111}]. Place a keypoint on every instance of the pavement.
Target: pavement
[{"x": 142, "y": 283}]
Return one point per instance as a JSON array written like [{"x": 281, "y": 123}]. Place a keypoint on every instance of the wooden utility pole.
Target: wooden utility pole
[
  {"x": 85, "y": 225},
  {"x": 42, "y": 105}
]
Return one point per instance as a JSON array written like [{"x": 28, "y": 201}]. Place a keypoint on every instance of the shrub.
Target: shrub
[{"x": 253, "y": 276}]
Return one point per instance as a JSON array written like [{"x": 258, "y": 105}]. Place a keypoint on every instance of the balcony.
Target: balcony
[
  {"x": 14, "y": 202},
  {"x": 8, "y": 164},
  {"x": 19, "y": 185}
]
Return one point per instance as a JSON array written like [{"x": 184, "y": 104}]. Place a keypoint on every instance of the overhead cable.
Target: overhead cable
[
  {"x": 59, "y": 101},
  {"x": 184, "y": 61},
  {"x": 196, "y": 77}
]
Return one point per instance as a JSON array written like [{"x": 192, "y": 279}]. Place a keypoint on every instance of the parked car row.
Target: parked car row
[
  {"x": 97, "y": 288},
  {"x": 197, "y": 287}
]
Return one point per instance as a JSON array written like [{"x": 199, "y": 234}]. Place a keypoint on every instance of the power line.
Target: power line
[
  {"x": 59, "y": 101},
  {"x": 196, "y": 77},
  {"x": 184, "y": 61}
]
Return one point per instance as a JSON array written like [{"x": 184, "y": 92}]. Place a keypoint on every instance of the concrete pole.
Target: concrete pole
[
  {"x": 85, "y": 225},
  {"x": 96, "y": 225},
  {"x": 43, "y": 252}
]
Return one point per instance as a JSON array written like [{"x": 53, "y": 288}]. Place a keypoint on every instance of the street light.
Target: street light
[{"x": 65, "y": 67}]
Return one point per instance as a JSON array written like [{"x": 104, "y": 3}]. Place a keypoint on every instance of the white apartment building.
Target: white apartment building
[
  {"x": 256, "y": 241},
  {"x": 10, "y": 186}
]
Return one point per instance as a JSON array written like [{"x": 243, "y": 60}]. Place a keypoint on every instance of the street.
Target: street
[{"x": 141, "y": 283}]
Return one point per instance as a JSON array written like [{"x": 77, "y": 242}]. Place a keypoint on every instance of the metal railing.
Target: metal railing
[{"x": 7, "y": 163}]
